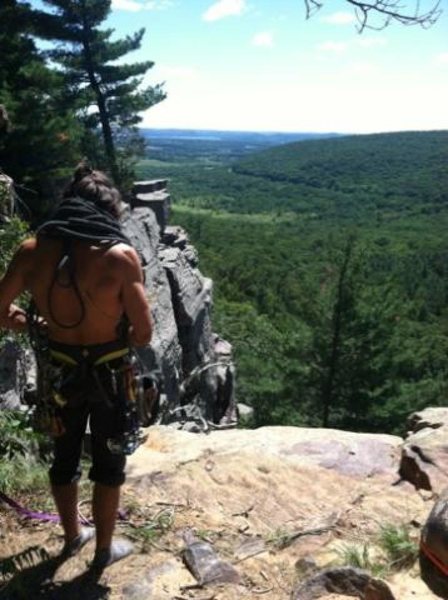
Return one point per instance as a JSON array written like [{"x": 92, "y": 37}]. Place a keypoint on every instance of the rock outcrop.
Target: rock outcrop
[
  {"x": 195, "y": 365},
  {"x": 243, "y": 514},
  {"x": 13, "y": 366},
  {"x": 6, "y": 192},
  {"x": 424, "y": 460}
]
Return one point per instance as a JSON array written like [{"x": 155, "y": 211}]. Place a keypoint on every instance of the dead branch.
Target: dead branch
[{"x": 386, "y": 11}]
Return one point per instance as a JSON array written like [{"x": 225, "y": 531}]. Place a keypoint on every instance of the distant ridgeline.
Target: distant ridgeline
[
  {"x": 401, "y": 169},
  {"x": 184, "y": 144},
  {"x": 330, "y": 264}
]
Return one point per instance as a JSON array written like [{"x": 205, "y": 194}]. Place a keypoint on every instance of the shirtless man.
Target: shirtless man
[{"x": 81, "y": 305}]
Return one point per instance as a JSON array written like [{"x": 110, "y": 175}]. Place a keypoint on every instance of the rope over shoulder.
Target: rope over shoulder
[{"x": 81, "y": 219}]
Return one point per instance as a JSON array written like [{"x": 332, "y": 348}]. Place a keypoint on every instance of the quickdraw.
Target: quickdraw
[{"x": 43, "y": 398}]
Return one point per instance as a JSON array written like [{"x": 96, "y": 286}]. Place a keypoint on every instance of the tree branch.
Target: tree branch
[{"x": 408, "y": 13}]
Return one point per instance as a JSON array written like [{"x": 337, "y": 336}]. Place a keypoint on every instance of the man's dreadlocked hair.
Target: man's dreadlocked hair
[{"x": 95, "y": 186}]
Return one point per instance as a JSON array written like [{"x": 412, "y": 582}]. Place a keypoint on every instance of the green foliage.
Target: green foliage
[
  {"x": 400, "y": 549},
  {"x": 359, "y": 346},
  {"x": 390, "y": 172},
  {"x": 360, "y": 557},
  {"x": 22, "y": 467},
  {"x": 393, "y": 549},
  {"x": 106, "y": 91},
  {"x": 148, "y": 529},
  {"x": 43, "y": 135},
  {"x": 11, "y": 235}
]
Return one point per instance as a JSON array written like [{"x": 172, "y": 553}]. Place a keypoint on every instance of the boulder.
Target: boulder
[
  {"x": 264, "y": 478},
  {"x": 424, "y": 461},
  {"x": 359, "y": 455},
  {"x": 343, "y": 580},
  {"x": 205, "y": 564}
]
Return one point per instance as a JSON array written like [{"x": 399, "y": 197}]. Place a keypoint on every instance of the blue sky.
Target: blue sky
[{"x": 260, "y": 65}]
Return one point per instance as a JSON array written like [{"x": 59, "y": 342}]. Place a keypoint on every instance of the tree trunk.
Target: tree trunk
[{"x": 106, "y": 130}]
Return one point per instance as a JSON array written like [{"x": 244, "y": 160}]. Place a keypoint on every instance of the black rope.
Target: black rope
[
  {"x": 80, "y": 219},
  {"x": 66, "y": 262}
]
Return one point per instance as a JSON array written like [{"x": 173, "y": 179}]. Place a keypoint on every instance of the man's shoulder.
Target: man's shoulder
[{"x": 123, "y": 254}]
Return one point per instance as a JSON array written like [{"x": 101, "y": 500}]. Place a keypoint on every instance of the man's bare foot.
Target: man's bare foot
[
  {"x": 119, "y": 549},
  {"x": 74, "y": 546}
]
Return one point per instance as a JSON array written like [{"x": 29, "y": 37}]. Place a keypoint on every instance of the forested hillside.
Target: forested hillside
[{"x": 329, "y": 259}]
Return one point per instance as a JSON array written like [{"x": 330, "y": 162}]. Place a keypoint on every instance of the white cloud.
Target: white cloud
[
  {"x": 134, "y": 6},
  {"x": 264, "y": 38},
  {"x": 224, "y": 8},
  {"x": 336, "y": 47},
  {"x": 340, "y": 18}
]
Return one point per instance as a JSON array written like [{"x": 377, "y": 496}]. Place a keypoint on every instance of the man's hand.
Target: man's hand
[{"x": 14, "y": 319}]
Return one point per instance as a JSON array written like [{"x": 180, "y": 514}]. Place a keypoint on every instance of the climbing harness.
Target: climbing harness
[
  {"x": 62, "y": 370},
  {"x": 44, "y": 398}
]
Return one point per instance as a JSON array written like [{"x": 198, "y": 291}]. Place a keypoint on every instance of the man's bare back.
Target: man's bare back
[{"x": 109, "y": 280}]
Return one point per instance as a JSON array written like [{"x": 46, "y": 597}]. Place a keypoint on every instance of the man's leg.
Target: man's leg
[
  {"x": 105, "y": 509},
  {"x": 64, "y": 475},
  {"x": 66, "y": 500},
  {"x": 107, "y": 473}
]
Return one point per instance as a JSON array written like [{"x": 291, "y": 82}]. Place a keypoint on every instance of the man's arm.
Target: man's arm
[
  {"x": 12, "y": 284},
  {"x": 136, "y": 305}
]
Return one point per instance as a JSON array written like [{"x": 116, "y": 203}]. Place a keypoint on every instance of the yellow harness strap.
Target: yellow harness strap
[{"x": 65, "y": 358}]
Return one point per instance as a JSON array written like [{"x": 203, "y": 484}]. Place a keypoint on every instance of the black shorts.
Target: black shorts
[{"x": 89, "y": 385}]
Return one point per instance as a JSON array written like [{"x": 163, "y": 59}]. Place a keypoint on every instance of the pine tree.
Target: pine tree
[
  {"x": 38, "y": 139},
  {"x": 109, "y": 95}
]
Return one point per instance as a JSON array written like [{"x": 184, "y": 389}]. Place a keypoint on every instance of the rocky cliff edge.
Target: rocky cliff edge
[{"x": 269, "y": 513}]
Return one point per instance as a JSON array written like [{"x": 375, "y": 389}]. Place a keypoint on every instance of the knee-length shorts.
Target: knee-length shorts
[{"x": 91, "y": 391}]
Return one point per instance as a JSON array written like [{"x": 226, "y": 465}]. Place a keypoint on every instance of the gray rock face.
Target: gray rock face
[
  {"x": 196, "y": 365},
  {"x": 6, "y": 196},
  {"x": 424, "y": 460},
  {"x": 343, "y": 580},
  {"x": 13, "y": 364}
]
